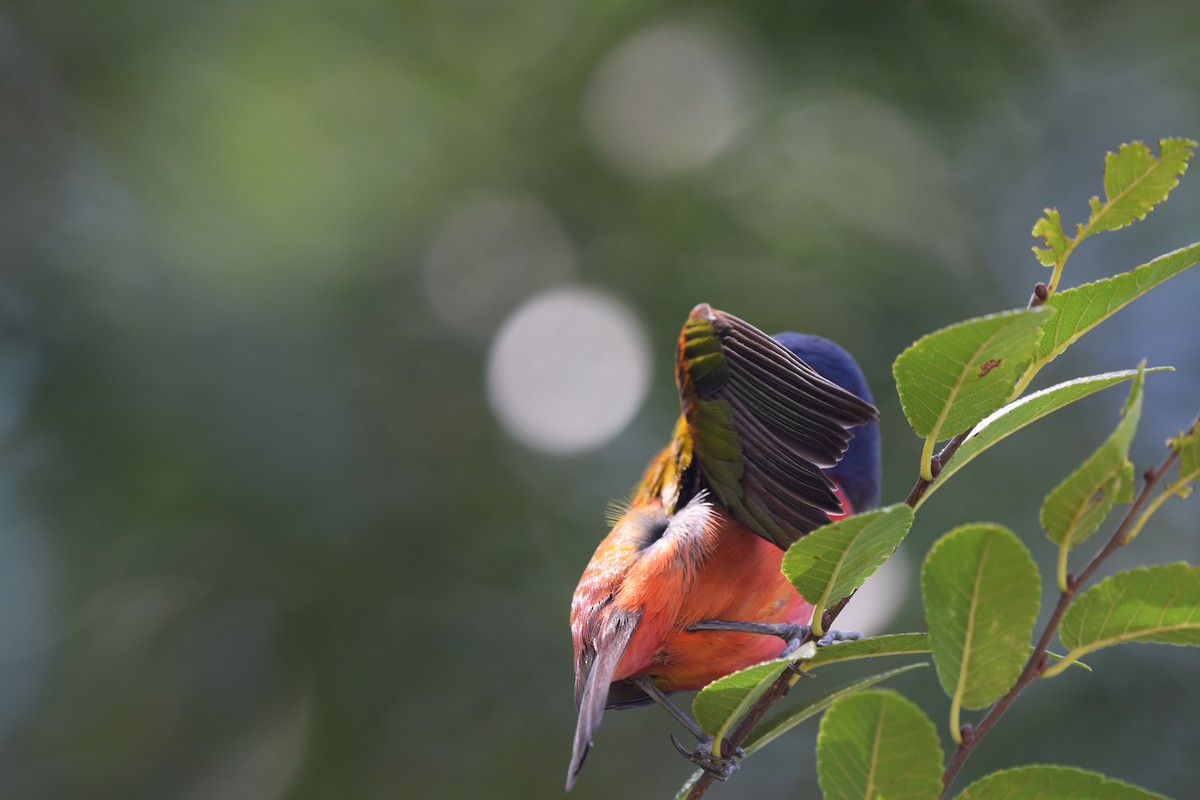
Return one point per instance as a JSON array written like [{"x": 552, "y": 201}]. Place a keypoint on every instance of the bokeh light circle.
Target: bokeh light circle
[
  {"x": 666, "y": 100},
  {"x": 568, "y": 370},
  {"x": 489, "y": 255}
]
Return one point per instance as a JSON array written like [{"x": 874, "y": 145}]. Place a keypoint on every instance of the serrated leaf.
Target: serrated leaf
[
  {"x": 1019, "y": 413},
  {"x": 981, "y": 591},
  {"x": 725, "y": 697},
  {"x": 954, "y": 377},
  {"x": 1049, "y": 229},
  {"x": 1135, "y": 181},
  {"x": 1053, "y": 783},
  {"x": 779, "y": 723},
  {"x": 832, "y": 561},
  {"x": 1074, "y": 510},
  {"x": 1082, "y": 308},
  {"x": 877, "y": 745},
  {"x": 1158, "y": 604}
]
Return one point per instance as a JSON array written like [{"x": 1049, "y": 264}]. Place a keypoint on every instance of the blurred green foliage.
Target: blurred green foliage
[{"x": 260, "y": 533}]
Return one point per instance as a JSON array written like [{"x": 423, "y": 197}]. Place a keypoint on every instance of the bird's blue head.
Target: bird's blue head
[{"x": 859, "y": 471}]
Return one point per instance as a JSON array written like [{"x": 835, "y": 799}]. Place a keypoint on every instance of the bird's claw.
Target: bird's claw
[
  {"x": 792, "y": 637},
  {"x": 720, "y": 767},
  {"x": 838, "y": 636}
]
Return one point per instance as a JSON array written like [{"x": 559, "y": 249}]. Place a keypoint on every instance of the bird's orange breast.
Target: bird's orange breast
[
  {"x": 726, "y": 573},
  {"x": 740, "y": 580}
]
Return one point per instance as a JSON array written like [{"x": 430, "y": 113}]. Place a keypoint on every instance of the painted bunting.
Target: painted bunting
[{"x": 777, "y": 437}]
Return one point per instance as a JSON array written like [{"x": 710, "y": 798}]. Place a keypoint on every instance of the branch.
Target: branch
[
  {"x": 1037, "y": 662},
  {"x": 783, "y": 684}
]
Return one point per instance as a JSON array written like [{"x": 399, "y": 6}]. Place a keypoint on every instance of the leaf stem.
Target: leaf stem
[
  {"x": 1072, "y": 243},
  {"x": 927, "y": 458},
  {"x": 1064, "y": 547},
  {"x": 917, "y": 493},
  {"x": 1170, "y": 490}
]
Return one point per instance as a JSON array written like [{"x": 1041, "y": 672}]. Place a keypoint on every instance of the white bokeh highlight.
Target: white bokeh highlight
[
  {"x": 491, "y": 254},
  {"x": 667, "y": 100},
  {"x": 568, "y": 370}
]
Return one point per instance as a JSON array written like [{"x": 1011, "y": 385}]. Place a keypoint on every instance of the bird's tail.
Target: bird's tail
[{"x": 610, "y": 643}]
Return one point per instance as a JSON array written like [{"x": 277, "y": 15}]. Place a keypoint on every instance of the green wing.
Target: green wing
[{"x": 762, "y": 425}]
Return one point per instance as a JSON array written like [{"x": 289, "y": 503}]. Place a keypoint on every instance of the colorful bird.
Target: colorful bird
[{"x": 777, "y": 437}]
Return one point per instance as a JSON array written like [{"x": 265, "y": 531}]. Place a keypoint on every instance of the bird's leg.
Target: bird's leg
[
  {"x": 791, "y": 634},
  {"x": 720, "y": 767},
  {"x": 647, "y": 685}
]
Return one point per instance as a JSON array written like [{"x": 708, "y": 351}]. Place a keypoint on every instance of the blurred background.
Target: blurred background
[{"x": 327, "y": 330}]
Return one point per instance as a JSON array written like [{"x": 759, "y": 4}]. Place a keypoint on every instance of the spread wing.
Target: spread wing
[{"x": 758, "y": 427}]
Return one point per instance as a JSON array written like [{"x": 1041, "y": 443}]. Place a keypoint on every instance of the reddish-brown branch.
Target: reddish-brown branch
[{"x": 1037, "y": 662}]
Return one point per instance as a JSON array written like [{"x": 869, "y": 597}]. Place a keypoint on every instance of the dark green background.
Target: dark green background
[{"x": 260, "y": 533}]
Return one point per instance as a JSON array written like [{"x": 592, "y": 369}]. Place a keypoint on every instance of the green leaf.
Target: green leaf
[
  {"x": 981, "y": 592},
  {"x": 1135, "y": 181},
  {"x": 1019, "y": 413},
  {"x": 1153, "y": 604},
  {"x": 1084, "y": 307},
  {"x": 717, "y": 703},
  {"x": 1049, "y": 229},
  {"x": 727, "y": 699},
  {"x": 783, "y": 721},
  {"x": 1075, "y": 509},
  {"x": 832, "y": 561},
  {"x": 952, "y": 378},
  {"x": 1188, "y": 447},
  {"x": 1052, "y": 783},
  {"x": 877, "y": 745}
]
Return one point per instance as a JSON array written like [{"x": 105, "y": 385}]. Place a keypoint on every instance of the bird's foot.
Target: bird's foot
[
  {"x": 792, "y": 637},
  {"x": 838, "y": 636},
  {"x": 720, "y": 767}
]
